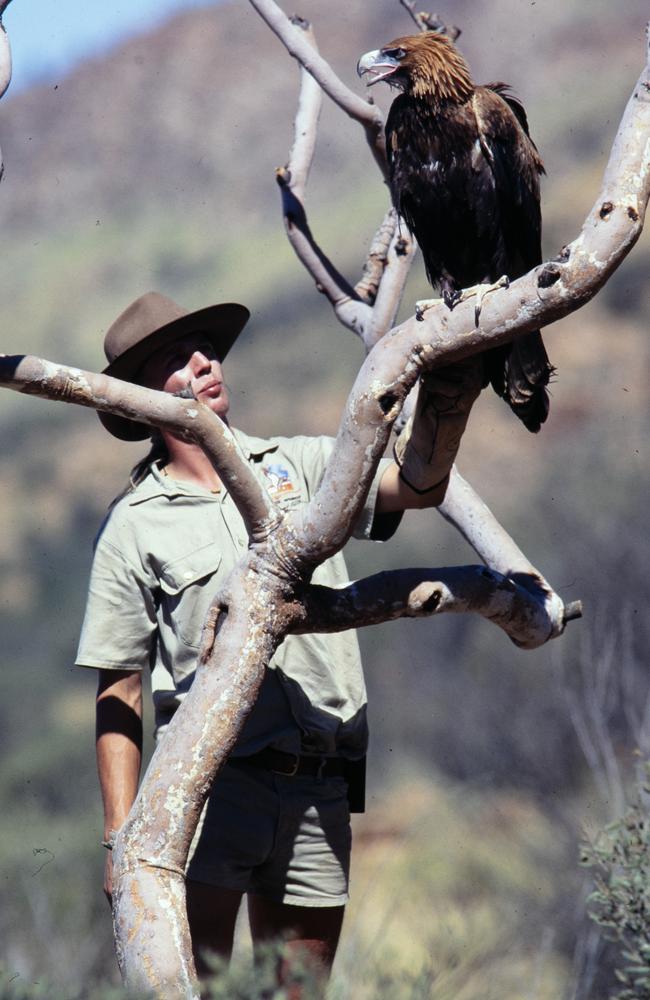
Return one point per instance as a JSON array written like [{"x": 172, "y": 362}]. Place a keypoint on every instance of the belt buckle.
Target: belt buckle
[{"x": 294, "y": 767}]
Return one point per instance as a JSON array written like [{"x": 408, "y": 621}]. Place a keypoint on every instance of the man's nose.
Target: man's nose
[{"x": 200, "y": 363}]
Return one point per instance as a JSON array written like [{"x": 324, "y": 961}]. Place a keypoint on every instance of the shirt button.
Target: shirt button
[{"x": 188, "y": 574}]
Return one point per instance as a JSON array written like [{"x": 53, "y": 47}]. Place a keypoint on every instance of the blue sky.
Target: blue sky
[{"x": 49, "y": 36}]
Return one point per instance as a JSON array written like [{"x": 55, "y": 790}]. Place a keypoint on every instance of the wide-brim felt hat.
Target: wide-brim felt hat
[{"x": 150, "y": 322}]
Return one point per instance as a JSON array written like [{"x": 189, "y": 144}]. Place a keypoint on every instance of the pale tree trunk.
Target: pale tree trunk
[
  {"x": 5, "y": 51},
  {"x": 5, "y": 62},
  {"x": 269, "y": 594}
]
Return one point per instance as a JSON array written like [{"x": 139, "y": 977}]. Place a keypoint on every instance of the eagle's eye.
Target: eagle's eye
[{"x": 395, "y": 53}]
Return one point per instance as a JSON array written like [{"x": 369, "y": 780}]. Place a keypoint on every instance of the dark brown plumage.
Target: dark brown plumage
[{"x": 464, "y": 176}]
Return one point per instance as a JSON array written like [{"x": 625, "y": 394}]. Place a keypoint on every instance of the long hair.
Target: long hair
[{"x": 157, "y": 452}]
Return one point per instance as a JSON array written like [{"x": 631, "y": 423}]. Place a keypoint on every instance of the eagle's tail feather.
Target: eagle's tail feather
[{"x": 525, "y": 376}]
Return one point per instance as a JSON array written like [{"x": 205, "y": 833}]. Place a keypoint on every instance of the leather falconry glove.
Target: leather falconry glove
[{"x": 427, "y": 446}]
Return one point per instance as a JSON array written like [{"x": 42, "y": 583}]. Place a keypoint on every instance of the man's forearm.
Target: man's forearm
[
  {"x": 395, "y": 495},
  {"x": 426, "y": 449},
  {"x": 118, "y": 744}
]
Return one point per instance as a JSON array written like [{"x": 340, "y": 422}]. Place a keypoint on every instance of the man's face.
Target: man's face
[{"x": 189, "y": 361}]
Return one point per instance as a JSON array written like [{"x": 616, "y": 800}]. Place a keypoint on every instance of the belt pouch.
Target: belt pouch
[{"x": 355, "y": 775}]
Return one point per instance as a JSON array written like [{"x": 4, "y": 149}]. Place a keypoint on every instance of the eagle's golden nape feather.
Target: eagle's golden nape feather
[{"x": 435, "y": 67}]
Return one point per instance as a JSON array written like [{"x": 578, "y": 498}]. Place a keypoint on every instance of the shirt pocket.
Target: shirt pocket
[{"x": 188, "y": 585}]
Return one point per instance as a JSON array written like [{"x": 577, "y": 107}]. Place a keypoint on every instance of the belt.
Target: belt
[{"x": 291, "y": 764}]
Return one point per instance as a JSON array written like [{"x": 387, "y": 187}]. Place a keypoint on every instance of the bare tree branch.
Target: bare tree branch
[
  {"x": 390, "y": 255},
  {"x": 401, "y": 254},
  {"x": 310, "y": 103},
  {"x": 348, "y": 307},
  {"x": 194, "y": 421},
  {"x": 364, "y": 112},
  {"x": 262, "y": 602},
  {"x": 5, "y": 60},
  {"x": 58, "y": 382},
  {"x": 187, "y": 417},
  {"x": 419, "y": 593},
  {"x": 463, "y": 507},
  {"x": 545, "y": 294},
  {"x": 384, "y": 275},
  {"x": 292, "y": 179},
  {"x": 430, "y": 22},
  {"x": 373, "y": 268},
  {"x": 259, "y": 605}
]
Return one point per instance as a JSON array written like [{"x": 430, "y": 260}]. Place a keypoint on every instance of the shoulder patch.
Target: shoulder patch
[{"x": 278, "y": 479}]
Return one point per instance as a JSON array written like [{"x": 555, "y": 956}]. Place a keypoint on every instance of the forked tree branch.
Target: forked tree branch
[
  {"x": 291, "y": 543},
  {"x": 628, "y": 178},
  {"x": 545, "y": 294},
  {"x": 262, "y": 599},
  {"x": 388, "y": 261},
  {"x": 390, "y": 254},
  {"x": 152, "y": 848},
  {"x": 292, "y": 179},
  {"x": 298, "y": 46}
]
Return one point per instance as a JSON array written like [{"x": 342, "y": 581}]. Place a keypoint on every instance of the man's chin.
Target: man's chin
[{"x": 219, "y": 407}]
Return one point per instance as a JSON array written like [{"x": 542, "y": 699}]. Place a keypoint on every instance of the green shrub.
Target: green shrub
[{"x": 619, "y": 858}]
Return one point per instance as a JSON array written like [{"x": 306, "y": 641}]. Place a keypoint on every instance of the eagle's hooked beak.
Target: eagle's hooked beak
[{"x": 378, "y": 64}]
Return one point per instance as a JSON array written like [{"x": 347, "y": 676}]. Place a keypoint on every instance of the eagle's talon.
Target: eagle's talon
[
  {"x": 452, "y": 298},
  {"x": 480, "y": 291},
  {"x": 422, "y": 306}
]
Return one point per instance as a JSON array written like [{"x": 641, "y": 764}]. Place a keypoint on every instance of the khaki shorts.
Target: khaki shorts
[{"x": 286, "y": 838}]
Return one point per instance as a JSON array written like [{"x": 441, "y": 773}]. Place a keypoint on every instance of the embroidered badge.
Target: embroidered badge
[{"x": 278, "y": 480}]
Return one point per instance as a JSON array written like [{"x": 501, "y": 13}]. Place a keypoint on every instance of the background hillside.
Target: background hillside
[{"x": 152, "y": 167}]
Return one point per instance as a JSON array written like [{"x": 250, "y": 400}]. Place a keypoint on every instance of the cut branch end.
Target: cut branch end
[
  {"x": 283, "y": 176},
  {"x": 572, "y": 611}
]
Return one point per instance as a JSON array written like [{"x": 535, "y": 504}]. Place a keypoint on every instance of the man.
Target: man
[{"x": 276, "y": 825}]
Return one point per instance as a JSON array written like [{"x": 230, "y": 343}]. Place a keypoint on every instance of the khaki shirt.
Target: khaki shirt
[{"x": 161, "y": 555}]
